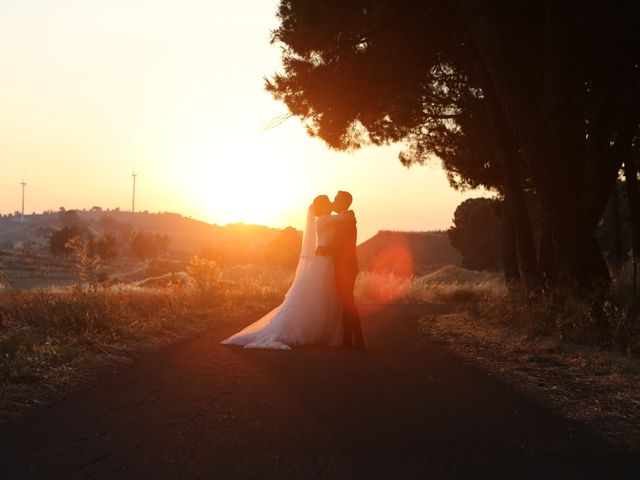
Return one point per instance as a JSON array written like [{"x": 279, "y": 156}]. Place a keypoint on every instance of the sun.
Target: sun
[{"x": 249, "y": 187}]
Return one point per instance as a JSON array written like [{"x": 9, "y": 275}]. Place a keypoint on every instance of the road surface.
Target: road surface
[{"x": 406, "y": 407}]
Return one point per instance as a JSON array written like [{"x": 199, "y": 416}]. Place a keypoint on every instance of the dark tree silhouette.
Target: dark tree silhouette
[
  {"x": 147, "y": 245},
  {"x": 70, "y": 218},
  {"x": 537, "y": 101},
  {"x": 59, "y": 239},
  {"x": 284, "y": 248},
  {"x": 476, "y": 233},
  {"x": 107, "y": 247}
]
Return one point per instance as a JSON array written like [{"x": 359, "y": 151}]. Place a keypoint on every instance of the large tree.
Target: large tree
[{"x": 527, "y": 98}]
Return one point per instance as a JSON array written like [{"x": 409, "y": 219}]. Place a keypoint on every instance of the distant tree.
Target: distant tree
[
  {"x": 476, "y": 234},
  {"x": 96, "y": 209},
  {"x": 58, "y": 241},
  {"x": 107, "y": 221},
  {"x": 139, "y": 245},
  {"x": 146, "y": 245},
  {"x": 284, "y": 248},
  {"x": 107, "y": 247},
  {"x": 70, "y": 218},
  {"x": 161, "y": 243}
]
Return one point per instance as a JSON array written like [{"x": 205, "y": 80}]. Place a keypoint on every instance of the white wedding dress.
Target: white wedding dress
[{"x": 311, "y": 313}]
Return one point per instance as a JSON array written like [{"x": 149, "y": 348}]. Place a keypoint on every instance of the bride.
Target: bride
[{"x": 311, "y": 313}]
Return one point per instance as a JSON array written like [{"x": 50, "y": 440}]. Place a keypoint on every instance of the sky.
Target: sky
[{"x": 93, "y": 90}]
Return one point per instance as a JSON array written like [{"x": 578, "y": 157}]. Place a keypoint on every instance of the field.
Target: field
[{"x": 53, "y": 336}]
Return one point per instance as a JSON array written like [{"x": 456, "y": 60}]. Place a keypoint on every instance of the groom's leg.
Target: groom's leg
[
  {"x": 351, "y": 316},
  {"x": 356, "y": 326},
  {"x": 347, "y": 335},
  {"x": 347, "y": 320}
]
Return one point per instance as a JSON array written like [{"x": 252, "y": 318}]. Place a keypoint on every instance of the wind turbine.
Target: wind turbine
[
  {"x": 23, "y": 183},
  {"x": 133, "y": 197}
]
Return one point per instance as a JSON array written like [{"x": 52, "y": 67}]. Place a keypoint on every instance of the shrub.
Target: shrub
[
  {"x": 608, "y": 318},
  {"x": 88, "y": 267},
  {"x": 206, "y": 276}
]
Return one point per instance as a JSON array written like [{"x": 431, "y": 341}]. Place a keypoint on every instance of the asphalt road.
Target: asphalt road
[{"x": 404, "y": 408}]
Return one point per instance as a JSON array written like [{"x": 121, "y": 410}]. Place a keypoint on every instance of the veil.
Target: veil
[
  {"x": 265, "y": 332},
  {"x": 310, "y": 313},
  {"x": 309, "y": 244}
]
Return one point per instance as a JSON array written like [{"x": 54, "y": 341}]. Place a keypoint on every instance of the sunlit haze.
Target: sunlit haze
[{"x": 93, "y": 90}]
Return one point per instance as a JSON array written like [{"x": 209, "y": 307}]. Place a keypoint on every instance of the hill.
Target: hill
[
  {"x": 403, "y": 253},
  {"x": 186, "y": 235},
  {"x": 407, "y": 253}
]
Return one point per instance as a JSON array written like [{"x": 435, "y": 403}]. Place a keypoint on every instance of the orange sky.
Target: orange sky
[{"x": 92, "y": 89}]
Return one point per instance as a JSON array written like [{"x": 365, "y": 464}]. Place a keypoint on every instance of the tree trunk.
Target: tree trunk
[
  {"x": 545, "y": 255},
  {"x": 515, "y": 201},
  {"x": 618, "y": 256},
  {"x": 577, "y": 245},
  {"x": 633, "y": 197},
  {"x": 509, "y": 249}
]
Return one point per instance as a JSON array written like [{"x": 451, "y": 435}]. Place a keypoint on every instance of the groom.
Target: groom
[{"x": 343, "y": 251}]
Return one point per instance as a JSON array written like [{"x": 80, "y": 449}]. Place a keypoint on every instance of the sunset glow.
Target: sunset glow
[{"x": 174, "y": 90}]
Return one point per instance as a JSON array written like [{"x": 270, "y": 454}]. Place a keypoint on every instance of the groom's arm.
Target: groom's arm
[
  {"x": 323, "y": 251},
  {"x": 338, "y": 239},
  {"x": 330, "y": 249}
]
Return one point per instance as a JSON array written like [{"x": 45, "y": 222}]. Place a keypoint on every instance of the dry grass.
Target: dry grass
[
  {"x": 588, "y": 384},
  {"x": 52, "y": 337},
  {"x": 610, "y": 320},
  {"x": 449, "y": 284},
  {"x": 579, "y": 357},
  {"x": 256, "y": 284}
]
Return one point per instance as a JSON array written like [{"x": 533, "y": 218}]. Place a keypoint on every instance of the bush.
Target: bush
[
  {"x": 609, "y": 318},
  {"x": 206, "y": 276}
]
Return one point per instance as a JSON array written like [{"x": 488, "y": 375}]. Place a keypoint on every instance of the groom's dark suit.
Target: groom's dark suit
[{"x": 343, "y": 250}]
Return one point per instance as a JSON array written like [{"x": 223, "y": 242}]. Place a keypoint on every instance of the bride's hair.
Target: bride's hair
[{"x": 321, "y": 205}]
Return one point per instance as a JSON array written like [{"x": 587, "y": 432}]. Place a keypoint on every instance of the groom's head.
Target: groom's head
[{"x": 342, "y": 201}]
